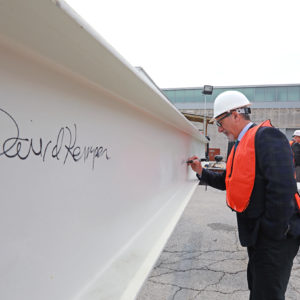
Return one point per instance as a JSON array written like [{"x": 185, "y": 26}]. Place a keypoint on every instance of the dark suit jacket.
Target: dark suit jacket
[{"x": 272, "y": 210}]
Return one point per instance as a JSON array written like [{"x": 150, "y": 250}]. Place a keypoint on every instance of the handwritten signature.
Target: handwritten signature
[{"x": 63, "y": 148}]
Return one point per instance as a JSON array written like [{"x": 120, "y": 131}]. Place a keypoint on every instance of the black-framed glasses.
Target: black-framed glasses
[{"x": 219, "y": 124}]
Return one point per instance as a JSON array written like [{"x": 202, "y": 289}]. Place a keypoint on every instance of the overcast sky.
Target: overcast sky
[{"x": 190, "y": 43}]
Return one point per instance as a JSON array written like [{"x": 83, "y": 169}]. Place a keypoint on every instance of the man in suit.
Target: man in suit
[
  {"x": 296, "y": 150},
  {"x": 260, "y": 188}
]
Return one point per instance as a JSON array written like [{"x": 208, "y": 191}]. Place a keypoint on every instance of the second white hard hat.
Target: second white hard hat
[
  {"x": 228, "y": 101},
  {"x": 296, "y": 132}
]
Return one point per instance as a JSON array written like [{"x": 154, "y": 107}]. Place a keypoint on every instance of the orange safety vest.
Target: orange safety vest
[{"x": 240, "y": 171}]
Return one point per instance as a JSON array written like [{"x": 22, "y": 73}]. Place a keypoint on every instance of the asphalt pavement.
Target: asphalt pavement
[{"x": 203, "y": 258}]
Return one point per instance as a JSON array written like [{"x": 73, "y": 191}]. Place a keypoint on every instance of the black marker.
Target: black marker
[{"x": 191, "y": 161}]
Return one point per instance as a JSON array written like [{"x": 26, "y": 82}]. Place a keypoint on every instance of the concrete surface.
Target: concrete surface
[{"x": 203, "y": 258}]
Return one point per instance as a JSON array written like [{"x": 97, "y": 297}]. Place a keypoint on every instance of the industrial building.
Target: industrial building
[{"x": 279, "y": 103}]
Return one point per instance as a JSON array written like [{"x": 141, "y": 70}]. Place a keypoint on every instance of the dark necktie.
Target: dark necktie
[{"x": 236, "y": 143}]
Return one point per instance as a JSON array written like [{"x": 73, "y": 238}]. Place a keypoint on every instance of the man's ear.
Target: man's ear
[{"x": 235, "y": 115}]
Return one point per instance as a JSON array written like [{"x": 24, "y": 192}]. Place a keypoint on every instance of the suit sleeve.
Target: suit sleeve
[
  {"x": 275, "y": 163},
  {"x": 213, "y": 179}
]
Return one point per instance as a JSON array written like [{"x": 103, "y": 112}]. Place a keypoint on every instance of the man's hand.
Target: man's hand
[{"x": 195, "y": 164}]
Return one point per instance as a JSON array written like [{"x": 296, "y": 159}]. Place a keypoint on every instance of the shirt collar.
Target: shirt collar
[{"x": 244, "y": 131}]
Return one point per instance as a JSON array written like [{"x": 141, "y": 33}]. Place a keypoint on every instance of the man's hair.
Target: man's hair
[{"x": 246, "y": 116}]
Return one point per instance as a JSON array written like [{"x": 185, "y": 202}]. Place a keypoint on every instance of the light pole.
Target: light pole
[{"x": 207, "y": 90}]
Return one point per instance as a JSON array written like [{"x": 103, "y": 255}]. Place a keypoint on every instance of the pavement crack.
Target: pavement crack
[{"x": 205, "y": 262}]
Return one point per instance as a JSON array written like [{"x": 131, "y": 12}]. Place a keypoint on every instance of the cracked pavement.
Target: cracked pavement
[{"x": 203, "y": 258}]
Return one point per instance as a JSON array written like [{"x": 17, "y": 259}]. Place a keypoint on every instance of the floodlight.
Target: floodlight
[{"x": 207, "y": 90}]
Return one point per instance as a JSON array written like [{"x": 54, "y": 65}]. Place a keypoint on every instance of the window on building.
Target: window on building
[
  {"x": 248, "y": 92},
  {"x": 189, "y": 96},
  {"x": 259, "y": 95},
  {"x": 270, "y": 94},
  {"x": 282, "y": 93},
  {"x": 293, "y": 93}
]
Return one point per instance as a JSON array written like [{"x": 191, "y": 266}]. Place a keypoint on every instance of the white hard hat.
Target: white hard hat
[
  {"x": 228, "y": 101},
  {"x": 296, "y": 132}
]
